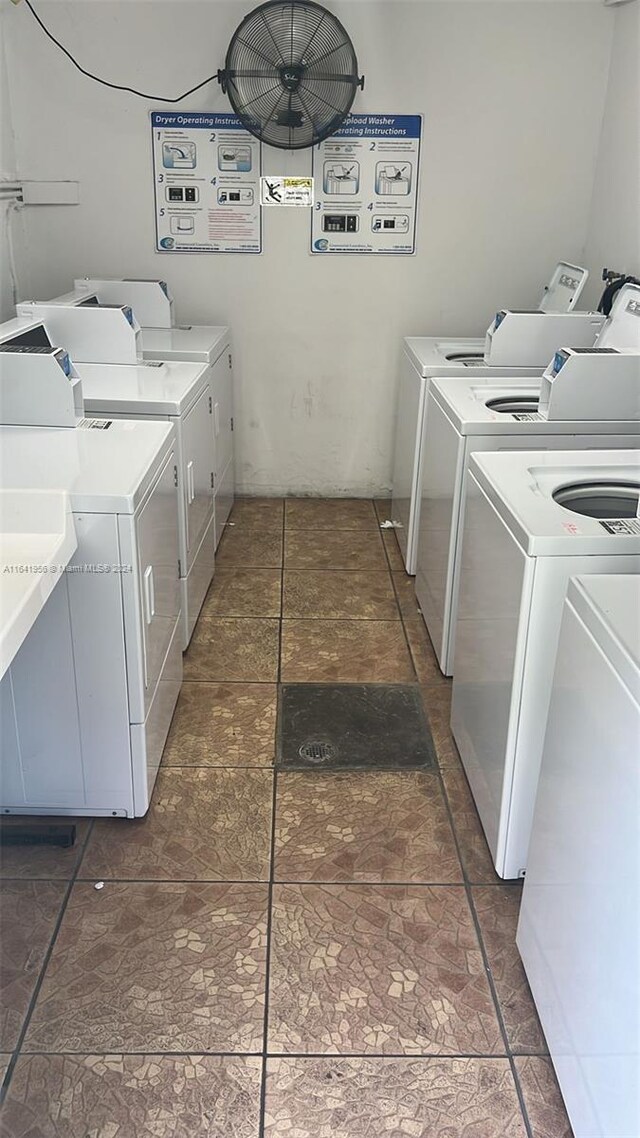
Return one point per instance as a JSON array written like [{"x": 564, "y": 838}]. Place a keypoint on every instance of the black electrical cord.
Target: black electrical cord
[{"x": 105, "y": 82}]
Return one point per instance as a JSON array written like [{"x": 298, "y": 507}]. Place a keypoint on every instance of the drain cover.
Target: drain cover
[{"x": 317, "y": 752}]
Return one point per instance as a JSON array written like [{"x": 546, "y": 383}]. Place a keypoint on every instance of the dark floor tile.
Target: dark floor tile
[
  {"x": 364, "y": 725},
  {"x": 244, "y": 592},
  {"x": 250, "y": 548},
  {"x": 330, "y": 513},
  {"x": 542, "y": 1098},
  {"x": 369, "y": 826},
  {"x": 377, "y": 969},
  {"x": 202, "y": 825},
  {"x": 133, "y": 1096},
  {"x": 339, "y": 595},
  {"x": 393, "y": 550},
  {"x": 28, "y": 914},
  {"x": 424, "y": 658},
  {"x": 497, "y": 907},
  {"x": 41, "y": 860},
  {"x": 155, "y": 967},
  {"x": 258, "y": 513},
  {"x": 223, "y": 725},
  {"x": 342, "y": 549},
  {"x": 474, "y": 851},
  {"x": 233, "y": 650},
  {"x": 391, "y": 1098},
  {"x": 345, "y": 651}
]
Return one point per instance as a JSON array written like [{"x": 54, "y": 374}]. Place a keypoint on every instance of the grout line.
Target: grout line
[
  {"x": 486, "y": 964},
  {"x": 267, "y": 974},
  {"x": 45, "y": 964},
  {"x": 329, "y": 1055}
]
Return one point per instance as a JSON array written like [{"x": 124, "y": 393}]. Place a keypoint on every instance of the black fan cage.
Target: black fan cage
[{"x": 291, "y": 73}]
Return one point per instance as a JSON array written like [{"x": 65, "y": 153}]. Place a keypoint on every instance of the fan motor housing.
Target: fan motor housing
[{"x": 291, "y": 73}]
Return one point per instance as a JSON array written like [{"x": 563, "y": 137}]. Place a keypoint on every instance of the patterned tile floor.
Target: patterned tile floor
[{"x": 290, "y": 955}]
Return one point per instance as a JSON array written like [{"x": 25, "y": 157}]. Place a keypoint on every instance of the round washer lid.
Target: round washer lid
[
  {"x": 514, "y": 404},
  {"x": 600, "y": 498}
]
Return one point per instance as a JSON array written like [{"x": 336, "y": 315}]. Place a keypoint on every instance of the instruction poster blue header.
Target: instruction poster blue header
[{"x": 380, "y": 126}]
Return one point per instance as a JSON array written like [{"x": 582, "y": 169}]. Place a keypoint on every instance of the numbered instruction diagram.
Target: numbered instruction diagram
[
  {"x": 366, "y": 179},
  {"x": 207, "y": 170}
]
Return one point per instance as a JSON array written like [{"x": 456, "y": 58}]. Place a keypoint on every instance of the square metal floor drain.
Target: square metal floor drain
[{"x": 352, "y": 726}]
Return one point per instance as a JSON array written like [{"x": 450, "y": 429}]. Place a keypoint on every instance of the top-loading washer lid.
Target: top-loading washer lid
[
  {"x": 564, "y": 288},
  {"x": 600, "y": 498},
  {"x": 464, "y": 357},
  {"x": 514, "y": 404}
]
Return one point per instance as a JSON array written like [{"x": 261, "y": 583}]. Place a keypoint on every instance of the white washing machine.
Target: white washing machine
[
  {"x": 518, "y": 345},
  {"x": 123, "y": 601},
  {"x": 582, "y": 412},
  {"x": 162, "y": 339},
  {"x": 559, "y": 294},
  {"x": 532, "y": 520},
  {"x": 179, "y": 393},
  {"x": 579, "y": 931}
]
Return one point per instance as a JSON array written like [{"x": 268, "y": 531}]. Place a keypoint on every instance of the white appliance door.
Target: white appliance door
[
  {"x": 406, "y": 463},
  {"x": 157, "y": 544},
  {"x": 578, "y": 933},
  {"x": 496, "y": 582},
  {"x": 442, "y": 470},
  {"x": 198, "y": 468}
]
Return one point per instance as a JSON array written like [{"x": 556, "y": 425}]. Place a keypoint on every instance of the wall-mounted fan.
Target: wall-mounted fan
[{"x": 291, "y": 73}]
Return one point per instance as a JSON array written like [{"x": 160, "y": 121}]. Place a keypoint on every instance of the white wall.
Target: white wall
[
  {"x": 512, "y": 96},
  {"x": 613, "y": 234}
]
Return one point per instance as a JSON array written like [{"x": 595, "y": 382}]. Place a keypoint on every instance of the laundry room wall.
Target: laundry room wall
[
  {"x": 613, "y": 234},
  {"x": 512, "y": 93}
]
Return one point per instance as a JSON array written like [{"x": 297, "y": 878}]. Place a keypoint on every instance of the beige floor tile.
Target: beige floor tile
[
  {"x": 259, "y": 513},
  {"x": 244, "y": 650},
  {"x": 341, "y": 549},
  {"x": 393, "y": 550},
  {"x": 250, "y": 548},
  {"x": 345, "y": 651},
  {"x": 364, "y": 826},
  {"x": 330, "y": 514},
  {"x": 382, "y": 507},
  {"x": 202, "y": 825},
  {"x": 28, "y": 914},
  {"x": 406, "y": 591},
  {"x": 52, "y": 862},
  {"x": 474, "y": 851},
  {"x": 133, "y": 1096},
  {"x": 391, "y": 1098},
  {"x": 155, "y": 967},
  {"x": 437, "y": 704},
  {"x": 542, "y": 1098},
  {"x": 223, "y": 725},
  {"x": 422, "y": 653},
  {"x": 498, "y": 907},
  {"x": 378, "y": 969},
  {"x": 244, "y": 592},
  {"x": 339, "y": 595}
]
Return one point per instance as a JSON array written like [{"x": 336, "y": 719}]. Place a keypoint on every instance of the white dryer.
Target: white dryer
[
  {"x": 124, "y": 608},
  {"x": 579, "y": 932},
  {"x": 162, "y": 339},
  {"x": 179, "y": 393},
  {"x": 532, "y": 521},
  {"x": 465, "y": 417}
]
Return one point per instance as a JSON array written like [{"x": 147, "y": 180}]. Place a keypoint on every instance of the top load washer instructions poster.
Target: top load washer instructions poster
[
  {"x": 366, "y": 178},
  {"x": 207, "y": 171}
]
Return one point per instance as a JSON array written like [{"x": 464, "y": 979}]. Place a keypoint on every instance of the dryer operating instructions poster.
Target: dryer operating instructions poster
[
  {"x": 366, "y": 179},
  {"x": 207, "y": 171}
]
